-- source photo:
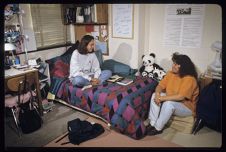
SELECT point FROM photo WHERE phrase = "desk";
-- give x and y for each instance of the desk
(12, 73)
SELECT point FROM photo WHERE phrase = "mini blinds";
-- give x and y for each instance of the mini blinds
(48, 26)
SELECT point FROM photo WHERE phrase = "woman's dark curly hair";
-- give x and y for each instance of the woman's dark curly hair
(187, 67)
(82, 48)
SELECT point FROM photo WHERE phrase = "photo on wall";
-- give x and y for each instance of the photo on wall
(100, 34)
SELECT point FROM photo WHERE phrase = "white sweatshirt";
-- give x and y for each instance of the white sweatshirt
(84, 65)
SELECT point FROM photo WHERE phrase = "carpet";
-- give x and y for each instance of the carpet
(111, 138)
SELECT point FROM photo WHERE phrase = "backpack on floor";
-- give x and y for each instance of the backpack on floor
(80, 131)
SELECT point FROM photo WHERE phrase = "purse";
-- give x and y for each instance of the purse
(29, 117)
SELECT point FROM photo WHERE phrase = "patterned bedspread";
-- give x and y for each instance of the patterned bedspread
(124, 107)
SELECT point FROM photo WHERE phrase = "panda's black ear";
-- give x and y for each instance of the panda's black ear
(142, 56)
(152, 54)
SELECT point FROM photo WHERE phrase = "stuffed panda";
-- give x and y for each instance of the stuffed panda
(150, 69)
(158, 73)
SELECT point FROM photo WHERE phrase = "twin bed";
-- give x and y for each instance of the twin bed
(123, 107)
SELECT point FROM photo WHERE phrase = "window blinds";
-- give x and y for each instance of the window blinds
(48, 26)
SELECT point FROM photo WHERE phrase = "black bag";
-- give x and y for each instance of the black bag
(29, 117)
(209, 105)
(80, 131)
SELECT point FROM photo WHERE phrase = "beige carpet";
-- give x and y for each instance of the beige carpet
(111, 138)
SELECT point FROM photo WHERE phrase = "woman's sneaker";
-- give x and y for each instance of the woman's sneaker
(86, 87)
(147, 122)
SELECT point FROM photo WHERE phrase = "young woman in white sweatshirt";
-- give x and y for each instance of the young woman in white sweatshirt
(84, 65)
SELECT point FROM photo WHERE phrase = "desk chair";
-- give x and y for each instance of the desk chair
(21, 94)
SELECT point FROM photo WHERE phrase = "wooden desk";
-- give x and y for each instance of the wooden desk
(12, 73)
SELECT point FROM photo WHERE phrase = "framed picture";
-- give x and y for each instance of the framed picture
(122, 21)
(100, 33)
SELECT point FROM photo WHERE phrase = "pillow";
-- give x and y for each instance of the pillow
(59, 66)
(118, 67)
(52, 61)
(71, 49)
(99, 57)
(60, 69)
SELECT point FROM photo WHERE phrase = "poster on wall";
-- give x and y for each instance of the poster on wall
(100, 34)
(183, 25)
(122, 21)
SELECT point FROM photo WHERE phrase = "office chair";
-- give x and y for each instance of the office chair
(20, 94)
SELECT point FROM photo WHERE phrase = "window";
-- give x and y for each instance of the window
(48, 25)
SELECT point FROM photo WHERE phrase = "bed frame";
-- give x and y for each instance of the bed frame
(51, 96)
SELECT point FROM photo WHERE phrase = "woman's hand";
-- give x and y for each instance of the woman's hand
(157, 99)
(95, 81)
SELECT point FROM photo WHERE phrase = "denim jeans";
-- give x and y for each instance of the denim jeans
(80, 81)
(160, 114)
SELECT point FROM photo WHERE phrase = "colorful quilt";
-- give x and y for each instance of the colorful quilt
(124, 107)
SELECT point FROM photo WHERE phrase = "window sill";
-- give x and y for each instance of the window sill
(47, 48)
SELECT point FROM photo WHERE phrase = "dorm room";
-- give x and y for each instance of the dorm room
(36, 40)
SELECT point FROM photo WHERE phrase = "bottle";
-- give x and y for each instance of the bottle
(7, 61)
(10, 61)
(17, 59)
(13, 62)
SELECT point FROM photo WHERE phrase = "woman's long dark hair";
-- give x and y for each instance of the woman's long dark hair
(82, 48)
(187, 67)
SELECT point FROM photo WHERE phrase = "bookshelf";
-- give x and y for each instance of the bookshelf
(12, 27)
(88, 19)
(98, 26)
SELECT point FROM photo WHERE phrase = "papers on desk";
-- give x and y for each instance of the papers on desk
(18, 66)
(12, 72)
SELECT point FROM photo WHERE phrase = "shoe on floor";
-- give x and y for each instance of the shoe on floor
(153, 132)
(46, 105)
(147, 122)
(149, 128)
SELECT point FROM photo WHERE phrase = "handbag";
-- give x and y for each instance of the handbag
(29, 117)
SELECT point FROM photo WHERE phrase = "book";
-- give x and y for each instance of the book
(115, 78)
(125, 81)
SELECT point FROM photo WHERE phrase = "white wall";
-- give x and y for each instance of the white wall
(46, 54)
(124, 50)
(148, 37)
(203, 56)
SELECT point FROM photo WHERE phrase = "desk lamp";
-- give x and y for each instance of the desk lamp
(9, 47)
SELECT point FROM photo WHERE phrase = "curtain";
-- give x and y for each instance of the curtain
(48, 26)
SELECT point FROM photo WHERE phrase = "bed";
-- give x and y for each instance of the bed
(123, 107)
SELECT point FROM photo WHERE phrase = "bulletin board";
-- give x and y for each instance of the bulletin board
(122, 21)
(99, 32)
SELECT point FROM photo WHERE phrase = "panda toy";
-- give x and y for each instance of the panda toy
(150, 69)
(158, 73)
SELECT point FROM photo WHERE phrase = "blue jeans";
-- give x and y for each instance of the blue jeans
(80, 81)
(160, 115)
